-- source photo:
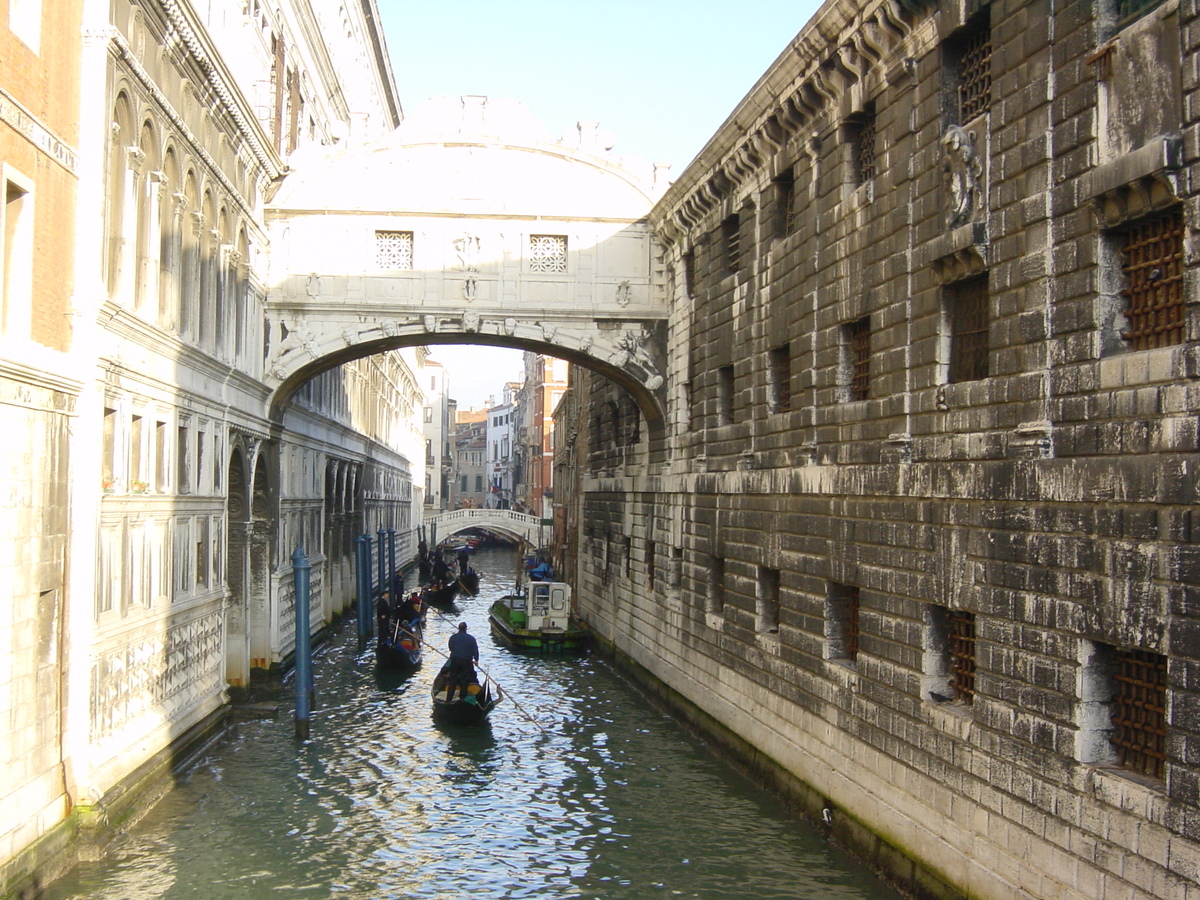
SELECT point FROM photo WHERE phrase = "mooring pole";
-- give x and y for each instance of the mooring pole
(362, 574)
(391, 533)
(301, 572)
(382, 566)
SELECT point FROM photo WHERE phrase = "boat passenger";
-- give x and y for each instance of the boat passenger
(464, 655)
(383, 613)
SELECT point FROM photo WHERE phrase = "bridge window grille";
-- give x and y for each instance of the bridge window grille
(962, 654)
(1152, 260)
(547, 253)
(394, 250)
(967, 314)
(1140, 711)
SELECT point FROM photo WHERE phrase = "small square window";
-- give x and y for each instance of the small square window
(394, 250)
(547, 253)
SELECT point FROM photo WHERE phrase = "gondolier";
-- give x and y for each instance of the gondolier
(464, 654)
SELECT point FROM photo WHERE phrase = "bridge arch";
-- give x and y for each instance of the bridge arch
(506, 521)
(469, 224)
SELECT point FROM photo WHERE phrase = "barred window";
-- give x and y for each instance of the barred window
(857, 342)
(780, 366)
(1131, 10)
(547, 253)
(716, 584)
(731, 243)
(1140, 711)
(767, 600)
(785, 204)
(968, 59)
(842, 621)
(394, 250)
(967, 321)
(962, 654)
(725, 395)
(862, 135)
(1152, 260)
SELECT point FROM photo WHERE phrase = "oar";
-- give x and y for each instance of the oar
(463, 586)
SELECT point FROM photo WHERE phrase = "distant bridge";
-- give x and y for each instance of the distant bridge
(504, 521)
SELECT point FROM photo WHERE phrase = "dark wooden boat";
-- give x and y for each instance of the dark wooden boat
(469, 709)
(442, 595)
(468, 581)
(538, 619)
(401, 649)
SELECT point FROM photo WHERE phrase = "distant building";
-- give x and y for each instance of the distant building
(500, 451)
(470, 442)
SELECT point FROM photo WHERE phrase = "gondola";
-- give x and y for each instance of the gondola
(438, 594)
(469, 581)
(401, 649)
(469, 709)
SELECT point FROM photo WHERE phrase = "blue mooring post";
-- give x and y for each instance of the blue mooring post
(392, 565)
(362, 574)
(301, 571)
(383, 585)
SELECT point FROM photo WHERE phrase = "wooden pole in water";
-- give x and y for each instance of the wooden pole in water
(301, 572)
(362, 572)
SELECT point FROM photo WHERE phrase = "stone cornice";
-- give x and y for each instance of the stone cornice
(125, 54)
(841, 46)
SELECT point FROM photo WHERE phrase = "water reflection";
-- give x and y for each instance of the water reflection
(576, 788)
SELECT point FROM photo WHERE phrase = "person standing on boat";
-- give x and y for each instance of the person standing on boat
(464, 654)
(383, 614)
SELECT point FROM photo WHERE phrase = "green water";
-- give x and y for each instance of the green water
(576, 788)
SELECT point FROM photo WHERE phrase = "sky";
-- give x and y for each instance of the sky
(660, 75)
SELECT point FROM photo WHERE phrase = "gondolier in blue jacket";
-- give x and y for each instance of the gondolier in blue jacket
(464, 654)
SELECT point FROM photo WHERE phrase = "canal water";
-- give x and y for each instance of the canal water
(576, 788)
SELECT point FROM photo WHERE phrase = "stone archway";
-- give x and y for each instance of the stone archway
(237, 554)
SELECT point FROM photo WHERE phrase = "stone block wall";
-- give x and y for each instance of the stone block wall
(923, 538)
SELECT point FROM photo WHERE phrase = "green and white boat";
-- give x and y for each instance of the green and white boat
(538, 619)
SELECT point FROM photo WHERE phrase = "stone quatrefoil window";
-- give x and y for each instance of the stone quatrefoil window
(547, 253)
(394, 250)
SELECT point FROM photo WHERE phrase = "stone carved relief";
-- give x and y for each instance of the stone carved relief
(313, 288)
(549, 329)
(624, 293)
(429, 323)
(350, 335)
(470, 288)
(964, 172)
(389, 327)
(633, 348)
(470, 321)
(510, 326)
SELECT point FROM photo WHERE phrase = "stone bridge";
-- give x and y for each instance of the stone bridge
(505, 521)
(469, 224)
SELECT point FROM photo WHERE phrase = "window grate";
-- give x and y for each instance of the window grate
(1129, 10)
(394, 250)
(547, 253)
(1140, 712)
(975, 75)
(962, 654)
(968, 313)
(731, 235)
(864, 148)
(852, 629)
(781, 378)
(1153, 266)
(858, 344)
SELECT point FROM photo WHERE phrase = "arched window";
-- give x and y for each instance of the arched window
(170, 251)
(121, 135)
(146, 189)
(189, 271)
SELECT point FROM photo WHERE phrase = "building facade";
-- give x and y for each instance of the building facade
(141, 140)
(501, 434)
(917, 538)
(470, 441)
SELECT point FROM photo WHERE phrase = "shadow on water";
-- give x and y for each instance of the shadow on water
(590, 792)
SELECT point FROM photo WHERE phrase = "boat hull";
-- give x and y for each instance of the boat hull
(460, 710)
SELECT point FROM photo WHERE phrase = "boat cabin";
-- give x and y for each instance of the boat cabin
(544, 605)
